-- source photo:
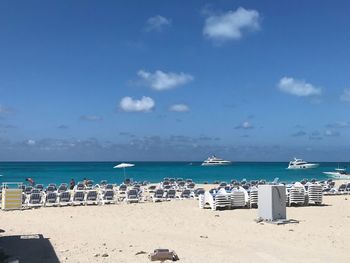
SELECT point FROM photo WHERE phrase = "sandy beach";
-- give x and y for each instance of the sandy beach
(116, 233)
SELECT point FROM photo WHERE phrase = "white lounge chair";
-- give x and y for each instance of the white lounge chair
(91, 197)
(35, 200)
(78, 198)
(158, 195)
(108, 197)
(51, 199)
(297, 194)
(170, 194)
(64, 198)
(132, 196)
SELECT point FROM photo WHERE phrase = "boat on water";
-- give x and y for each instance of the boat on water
(338, 173)
(215, 161)
(301, 164)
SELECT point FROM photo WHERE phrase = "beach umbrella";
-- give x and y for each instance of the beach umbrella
(123, 166)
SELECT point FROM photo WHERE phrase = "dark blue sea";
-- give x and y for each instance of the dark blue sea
(59, 172)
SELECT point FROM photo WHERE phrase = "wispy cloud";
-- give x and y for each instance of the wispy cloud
(245, 125)
(4, 110)
(299, 134)
(315, 135)
(62, 127)
(346, 95)
(179, 108)
(145, 104)
(157, 23)
(7, 126)
(160, 80)
(297, 87)
(91, 118)
(339, 124)
(231, 25)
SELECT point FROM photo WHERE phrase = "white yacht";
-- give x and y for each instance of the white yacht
(215, 161)
(301, 164)
(339, 173)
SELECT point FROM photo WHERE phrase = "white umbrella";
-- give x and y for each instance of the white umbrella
(124, 165)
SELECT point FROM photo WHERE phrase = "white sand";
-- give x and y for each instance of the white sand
(79, 233)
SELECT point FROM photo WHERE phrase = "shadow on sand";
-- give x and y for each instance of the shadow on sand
(27, 249)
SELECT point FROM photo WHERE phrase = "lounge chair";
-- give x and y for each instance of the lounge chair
(91, 197)
(199, 191)
(64, 198)
(253, 197)
(315, 193)
(62, 188)
(122, 189)
(170, 194)
(89, 184)
(35, 200)
(51, 199)
(36, 191)
(28, 190)
(191, 185)
(132, 196)
(342, 188)
(80, 187)
(185, 194)
(158, 195)
(152, 188)
(297, 194)
(40, 187)
(108, 197)
(103, 183)
(180, 185)
(78, 198)
(347, 189)
(50, 189)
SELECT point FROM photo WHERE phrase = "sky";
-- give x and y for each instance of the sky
(174, 80)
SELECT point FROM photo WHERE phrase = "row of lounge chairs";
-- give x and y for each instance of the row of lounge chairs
(228, 196)
(104, 193)
(90, 197)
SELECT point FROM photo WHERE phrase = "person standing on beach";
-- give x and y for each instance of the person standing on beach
(72, 184)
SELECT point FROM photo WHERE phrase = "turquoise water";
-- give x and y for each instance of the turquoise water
(59, 172)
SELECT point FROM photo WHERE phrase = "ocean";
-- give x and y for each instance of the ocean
(62, 172)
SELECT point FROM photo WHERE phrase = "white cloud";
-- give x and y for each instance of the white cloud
(346, 95)
(91, 118)
(231, 25)
(129, 104)
(245, 125)
(157, 23)
(160, 80)
(331, 133)
(30, 142)
(179, 108)
(297, 87)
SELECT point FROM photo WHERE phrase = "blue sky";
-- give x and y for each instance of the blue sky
(168, 80)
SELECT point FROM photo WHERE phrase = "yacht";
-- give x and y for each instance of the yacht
(339, 173)
(215, 161)
(301, 164)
